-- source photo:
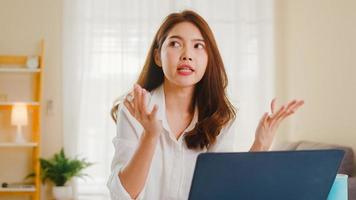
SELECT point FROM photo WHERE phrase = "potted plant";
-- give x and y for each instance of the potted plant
(59, 170)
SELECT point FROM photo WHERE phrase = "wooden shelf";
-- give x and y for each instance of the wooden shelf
(13, 190)
(12, 144)
(18, 70)
(11, 103)
(13, 67)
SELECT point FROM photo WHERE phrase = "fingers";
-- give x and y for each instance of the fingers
(285, 110)
(277, 113)
(292, 107)
(136, 100)
(153, 112)
(140, 100)
(264, 118)
(129, 107)
(290, 104)
(128, 102)
(144, 102)
(138, 105)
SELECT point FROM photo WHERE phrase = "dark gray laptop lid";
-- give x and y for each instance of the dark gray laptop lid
(292, 175)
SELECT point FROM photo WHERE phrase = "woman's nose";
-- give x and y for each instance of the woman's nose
(186, 55)
(187, 58)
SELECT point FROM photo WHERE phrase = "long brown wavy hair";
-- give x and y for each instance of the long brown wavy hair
(214, 108)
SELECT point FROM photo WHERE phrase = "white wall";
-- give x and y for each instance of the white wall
(22, 25)
(316, 61)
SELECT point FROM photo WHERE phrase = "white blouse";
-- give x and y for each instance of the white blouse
(172, 166)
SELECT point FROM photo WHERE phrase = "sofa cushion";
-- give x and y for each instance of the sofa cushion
(352, 188)
(285, 146)
(347, 163)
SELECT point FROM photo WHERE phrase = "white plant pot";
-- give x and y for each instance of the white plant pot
(62, 192)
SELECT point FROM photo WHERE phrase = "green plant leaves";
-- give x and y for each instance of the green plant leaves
(60, 169)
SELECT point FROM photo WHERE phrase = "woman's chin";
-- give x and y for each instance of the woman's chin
(183, 84)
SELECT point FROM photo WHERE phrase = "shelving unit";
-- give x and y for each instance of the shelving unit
(16, 70)
(13, 65)
(11, 144)
(22, 190)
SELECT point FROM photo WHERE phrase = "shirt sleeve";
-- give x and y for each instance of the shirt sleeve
(225, 141)
(125, 143)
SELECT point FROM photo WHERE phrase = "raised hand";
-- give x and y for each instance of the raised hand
(269, 124)
(136, 103)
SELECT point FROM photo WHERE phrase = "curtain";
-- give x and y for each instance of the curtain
(105, 43)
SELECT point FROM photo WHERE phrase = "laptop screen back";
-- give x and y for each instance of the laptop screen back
(292, 175)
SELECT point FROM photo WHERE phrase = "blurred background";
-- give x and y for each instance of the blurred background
(94, 50)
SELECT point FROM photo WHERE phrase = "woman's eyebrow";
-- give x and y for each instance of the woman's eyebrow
(199, 40)
(180, 38)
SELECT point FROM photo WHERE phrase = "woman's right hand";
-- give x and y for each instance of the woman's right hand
(137, 106)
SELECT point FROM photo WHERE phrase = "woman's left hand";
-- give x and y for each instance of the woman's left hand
(268, 124)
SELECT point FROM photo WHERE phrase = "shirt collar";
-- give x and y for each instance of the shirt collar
(158, 98)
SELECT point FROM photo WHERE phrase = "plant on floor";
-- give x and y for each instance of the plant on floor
(60, 169)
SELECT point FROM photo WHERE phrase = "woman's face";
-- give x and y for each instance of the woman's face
(183, 56)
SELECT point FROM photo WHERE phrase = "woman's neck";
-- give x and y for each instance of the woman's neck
(179, 99)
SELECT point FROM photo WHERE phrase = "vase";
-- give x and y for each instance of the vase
(62, 192)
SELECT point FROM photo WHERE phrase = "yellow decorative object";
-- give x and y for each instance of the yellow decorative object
(19, 118)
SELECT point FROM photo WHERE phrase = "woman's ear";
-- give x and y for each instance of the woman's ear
(157, 57)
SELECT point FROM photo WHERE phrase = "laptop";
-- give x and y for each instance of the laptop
(274, 175)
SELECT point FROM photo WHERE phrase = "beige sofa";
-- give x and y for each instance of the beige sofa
(347, 165)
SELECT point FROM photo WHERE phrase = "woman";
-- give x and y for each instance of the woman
(177, 109)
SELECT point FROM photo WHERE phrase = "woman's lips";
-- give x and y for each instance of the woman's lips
(185, 70)
(185, 73)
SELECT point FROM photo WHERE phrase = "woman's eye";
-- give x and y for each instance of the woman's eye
(174, 44)
(199, 46)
